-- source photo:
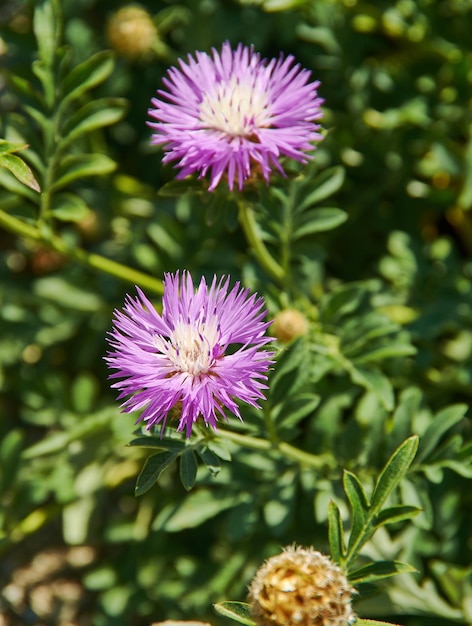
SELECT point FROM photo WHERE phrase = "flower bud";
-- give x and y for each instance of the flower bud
(300, 587)
(289, 324)
(131, 32)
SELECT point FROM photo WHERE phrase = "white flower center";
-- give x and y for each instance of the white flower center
(234, 108)
(192, 347)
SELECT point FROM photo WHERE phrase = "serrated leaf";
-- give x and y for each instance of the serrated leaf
(86, 75)
(237, 611)
(95, 114)
(68, 207)
(188, 469)
(395, 514)
(20, 170)
(395, 469)
(335, 532)
(358, 501)
(319, 220)
(152, 470)
(443, 421)
(327, 183)
(75, 167)
(378, 570)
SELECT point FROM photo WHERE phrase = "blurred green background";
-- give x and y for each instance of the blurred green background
(76, 546)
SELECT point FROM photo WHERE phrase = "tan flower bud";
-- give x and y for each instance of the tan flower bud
(300, 587)
(132, 33)
(289, 324)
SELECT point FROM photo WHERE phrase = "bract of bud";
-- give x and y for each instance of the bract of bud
(301, 587)
(288, 324)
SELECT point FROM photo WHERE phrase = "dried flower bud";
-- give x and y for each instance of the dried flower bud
(300, 587)
(132, 33)
(289, 324)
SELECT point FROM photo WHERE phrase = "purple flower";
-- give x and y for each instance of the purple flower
(234, 113)
(195, 358)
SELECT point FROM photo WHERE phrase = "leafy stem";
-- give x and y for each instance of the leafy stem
(95, 261)
(251, 230)
(321, 461)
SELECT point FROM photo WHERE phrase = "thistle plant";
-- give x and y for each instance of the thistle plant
(267, 398)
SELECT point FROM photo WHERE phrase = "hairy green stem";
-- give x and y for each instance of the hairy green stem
(249, 225)
(96, 261)
(301, 457)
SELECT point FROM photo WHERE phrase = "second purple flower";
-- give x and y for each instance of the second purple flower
(195, 359)
(234, 115)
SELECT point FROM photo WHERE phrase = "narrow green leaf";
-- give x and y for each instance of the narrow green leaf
(335, 532)
(86, 75)
(20, 170)
(358, 501)
(157, 442)
(152, 469)
(8, 147)
(319, 220)
(327, 183)
(443, 421)
(46, 30)
(395, 469)
(395, 514)
(237, 611)
(378, 570)
(343, 301)
(181, 187)
(69, 207)
(220, 450)
(374, 380)
(95, 114)
(75, 167)
(210, 459)
(188, 469)
(391, 350)
(198, 507)
(372, 622)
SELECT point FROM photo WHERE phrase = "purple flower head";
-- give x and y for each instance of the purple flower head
(234, 113)
(196, 358)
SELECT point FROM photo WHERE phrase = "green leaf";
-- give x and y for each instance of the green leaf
(7, 147)
(327, 183)
(296, 409)
(395, 514)
(220, 450)
(46, 29)
(198, 507)
(335, 532)
(20, 170)
(378, 570)
(75, 167)
(373, 380)
(85, 76)
(343, 301)
(69, 207)
(389, 351)
(319, 220)
(443, 421)
(210, 460)
(237, 611)
(95, 114)
(181, 187)
(188, 469)
(395, 469)
(10, 456)
(372, 622)
(358, 501)
(157, 442)
(152, 470)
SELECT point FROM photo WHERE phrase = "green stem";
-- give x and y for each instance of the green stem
(301, 457)
(249, 225)
(96, 261)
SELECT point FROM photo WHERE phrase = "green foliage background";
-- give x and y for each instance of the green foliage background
(388, 294)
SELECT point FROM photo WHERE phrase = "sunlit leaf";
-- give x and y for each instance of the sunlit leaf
(237, 611)
(86, 75)
(379, 570)
(20, 170)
